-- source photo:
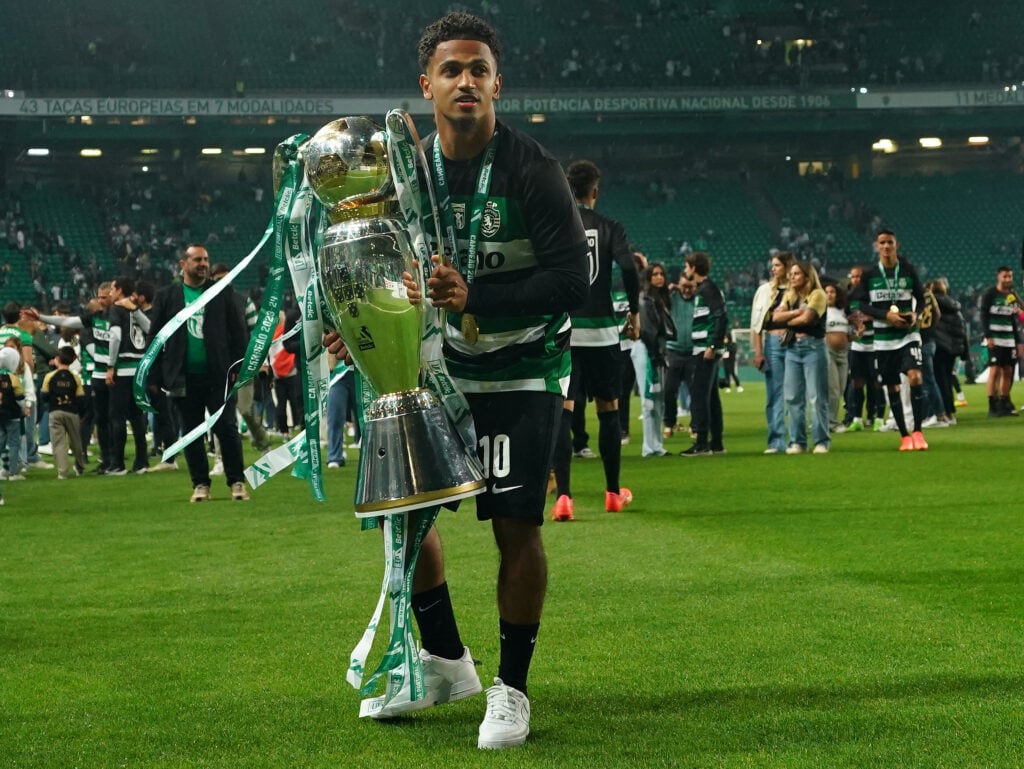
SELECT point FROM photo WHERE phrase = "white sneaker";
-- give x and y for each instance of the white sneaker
(585, 453)
(218, 468)
(931, 421)
(172, 465)
(795, 448)
(41, 464)
(507, 721)
(739, 388)
(445, 681)
(820, 448)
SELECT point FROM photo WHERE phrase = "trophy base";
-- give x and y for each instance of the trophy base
(411, 457)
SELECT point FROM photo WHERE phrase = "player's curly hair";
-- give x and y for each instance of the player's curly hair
(457, 26)
(583, 176)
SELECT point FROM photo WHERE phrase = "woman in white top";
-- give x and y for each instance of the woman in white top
(837, 340)
(769, 355)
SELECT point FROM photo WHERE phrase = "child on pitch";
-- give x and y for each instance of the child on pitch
(63, 391)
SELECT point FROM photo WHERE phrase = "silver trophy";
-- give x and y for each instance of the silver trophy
(411, 456)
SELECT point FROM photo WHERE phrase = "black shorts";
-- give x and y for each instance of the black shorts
(595, 373)
(862, 365)
(1002, 356)
(515, 433)
(889, 364)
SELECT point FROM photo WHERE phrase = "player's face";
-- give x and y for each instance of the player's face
(462, 80)
(1004, 280)
(855, 276)
(106, 297)
(886, 245)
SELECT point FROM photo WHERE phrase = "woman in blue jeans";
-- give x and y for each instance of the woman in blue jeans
(806, 382)
(769, 355)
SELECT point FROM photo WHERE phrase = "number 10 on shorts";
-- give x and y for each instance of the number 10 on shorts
(495, 455)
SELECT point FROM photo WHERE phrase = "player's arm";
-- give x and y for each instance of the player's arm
(985, 307)
(114, 344)
(63, 321)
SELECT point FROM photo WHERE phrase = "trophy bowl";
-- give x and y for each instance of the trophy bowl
(411, 455)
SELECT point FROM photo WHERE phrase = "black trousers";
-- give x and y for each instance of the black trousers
(165, 420)
(123, 411)
(201, 394)
(701, 376)
(101, 418)
(289, 390)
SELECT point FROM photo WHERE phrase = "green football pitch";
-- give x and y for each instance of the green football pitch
(856, 609)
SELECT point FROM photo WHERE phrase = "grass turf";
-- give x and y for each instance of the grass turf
(858, 609)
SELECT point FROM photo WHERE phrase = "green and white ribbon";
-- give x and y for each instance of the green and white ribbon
(304, 232)
(290, 230)
(400, 662)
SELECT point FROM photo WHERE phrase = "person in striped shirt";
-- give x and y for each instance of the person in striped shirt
(999, 318)
(710, 326)
(891, 294)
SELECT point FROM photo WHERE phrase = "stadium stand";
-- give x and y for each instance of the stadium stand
(119, 46)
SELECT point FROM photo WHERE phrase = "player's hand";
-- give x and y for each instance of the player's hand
(447, 288)
(126, 303)
(334, 344)
(412, 286)
(899, 320)
(30, 312)
(632, 326)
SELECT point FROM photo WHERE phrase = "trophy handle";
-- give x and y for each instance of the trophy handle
(407, 125)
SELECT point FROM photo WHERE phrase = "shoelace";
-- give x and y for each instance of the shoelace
(500, 704)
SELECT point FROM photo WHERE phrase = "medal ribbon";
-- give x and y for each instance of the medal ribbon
(476, 210)
(893, 285)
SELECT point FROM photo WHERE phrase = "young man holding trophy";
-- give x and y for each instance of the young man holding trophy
(518, 266)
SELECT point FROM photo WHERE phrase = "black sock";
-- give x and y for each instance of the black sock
(896, 409)
(517, 642)
(563, 454)
(609, 442)
(857, 403)
(917, 405)
(436, 619)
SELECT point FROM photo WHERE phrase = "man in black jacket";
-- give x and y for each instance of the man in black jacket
(195, 364)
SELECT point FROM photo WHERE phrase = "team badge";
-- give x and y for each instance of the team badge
(492, 220)
(459, 210)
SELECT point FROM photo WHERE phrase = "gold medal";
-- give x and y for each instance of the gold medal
(470, 331)
(894, 308)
